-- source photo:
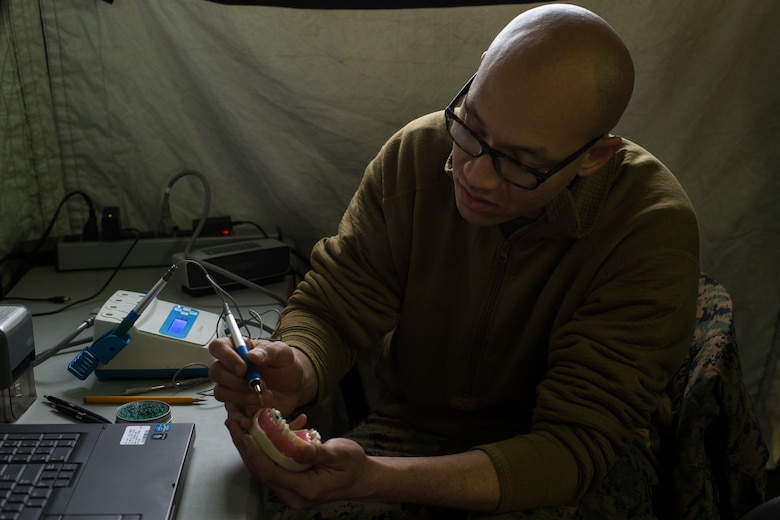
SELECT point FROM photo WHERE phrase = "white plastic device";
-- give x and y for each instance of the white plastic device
(165, 338)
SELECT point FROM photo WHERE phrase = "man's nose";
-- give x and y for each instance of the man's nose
(481, 173)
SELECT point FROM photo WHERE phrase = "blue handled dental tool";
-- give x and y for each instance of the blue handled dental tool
(103, 349)
(253, 378)
(133, 315)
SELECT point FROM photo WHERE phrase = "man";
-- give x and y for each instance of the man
(534, 279)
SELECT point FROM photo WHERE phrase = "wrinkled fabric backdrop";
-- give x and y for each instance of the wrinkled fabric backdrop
(281, 109)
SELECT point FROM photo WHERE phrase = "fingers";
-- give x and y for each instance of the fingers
(336, 466)
(261, 353)
(256, 461)
(227, 360)
(285, 383)
(298, 423)
(228, 370)
(242, 416)
(246, 446)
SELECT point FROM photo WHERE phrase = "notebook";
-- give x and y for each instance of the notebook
(127, 471)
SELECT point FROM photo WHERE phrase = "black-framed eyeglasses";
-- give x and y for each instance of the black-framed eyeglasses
(509, 169)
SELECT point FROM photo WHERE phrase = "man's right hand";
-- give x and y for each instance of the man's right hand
(288, 376)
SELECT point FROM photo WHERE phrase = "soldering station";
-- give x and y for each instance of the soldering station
(169, 336)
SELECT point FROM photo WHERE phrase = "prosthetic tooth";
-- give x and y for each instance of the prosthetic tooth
(285, 430)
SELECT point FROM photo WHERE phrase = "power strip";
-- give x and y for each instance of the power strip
(148, 252)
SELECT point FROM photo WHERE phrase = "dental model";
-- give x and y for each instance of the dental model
(278, 441)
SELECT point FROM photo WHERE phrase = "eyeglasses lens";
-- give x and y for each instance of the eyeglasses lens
(510, 170)
(464, 138)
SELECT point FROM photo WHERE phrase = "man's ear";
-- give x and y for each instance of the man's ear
(599, 154)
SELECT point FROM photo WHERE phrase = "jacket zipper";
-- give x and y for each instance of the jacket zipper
(479, 345)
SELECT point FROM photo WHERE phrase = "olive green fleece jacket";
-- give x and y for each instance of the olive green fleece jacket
(545, 347)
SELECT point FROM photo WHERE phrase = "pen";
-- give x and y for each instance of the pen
(122, 399)
(75, 411)
(79, 416)
(252, 376)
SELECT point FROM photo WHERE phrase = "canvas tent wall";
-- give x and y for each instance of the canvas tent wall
(282, 108)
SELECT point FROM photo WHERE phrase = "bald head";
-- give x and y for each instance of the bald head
(572, 58)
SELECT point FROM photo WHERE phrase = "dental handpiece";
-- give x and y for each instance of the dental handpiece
(253, 379)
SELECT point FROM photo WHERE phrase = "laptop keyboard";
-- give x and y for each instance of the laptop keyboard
(31, 466)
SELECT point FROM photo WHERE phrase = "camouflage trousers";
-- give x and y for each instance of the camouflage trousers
(625, 492)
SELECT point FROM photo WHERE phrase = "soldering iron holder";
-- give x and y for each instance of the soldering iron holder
(102, 350)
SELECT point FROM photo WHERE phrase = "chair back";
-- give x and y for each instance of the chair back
(714, 461)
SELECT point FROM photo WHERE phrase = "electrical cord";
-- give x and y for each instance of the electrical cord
(50, 299)
(254, 224)
(105, 284)
(225, 296)
(257, 320)
(166, 225)
(68, 340)
(242, 281)
(89, 232)
(166, 221)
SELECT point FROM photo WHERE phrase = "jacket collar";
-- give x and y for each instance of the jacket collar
(577, 208)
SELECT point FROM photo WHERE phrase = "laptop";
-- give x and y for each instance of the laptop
(92, 471)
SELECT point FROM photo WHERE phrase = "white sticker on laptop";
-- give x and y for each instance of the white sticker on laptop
(135, 435)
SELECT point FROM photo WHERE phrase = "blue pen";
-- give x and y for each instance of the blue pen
(253, 378)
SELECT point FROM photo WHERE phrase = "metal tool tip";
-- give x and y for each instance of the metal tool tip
(258, 390)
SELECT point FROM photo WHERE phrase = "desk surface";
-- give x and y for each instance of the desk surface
(217, 485)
